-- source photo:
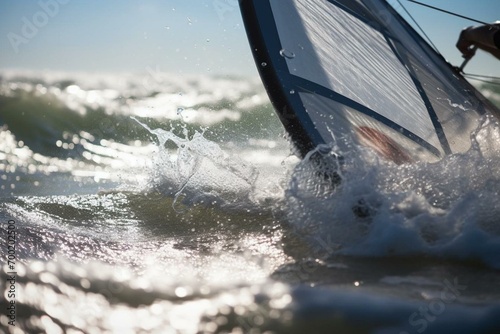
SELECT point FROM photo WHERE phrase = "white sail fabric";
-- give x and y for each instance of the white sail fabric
(344, 67)
(355, 61)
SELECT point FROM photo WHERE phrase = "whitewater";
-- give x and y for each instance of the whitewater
(176, 204)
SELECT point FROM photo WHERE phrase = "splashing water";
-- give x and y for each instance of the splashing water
(445, 210)
(193, 169)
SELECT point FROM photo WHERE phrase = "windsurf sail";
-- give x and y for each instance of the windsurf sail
(356, 69)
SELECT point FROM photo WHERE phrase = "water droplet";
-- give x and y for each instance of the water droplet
(167, 27)
(292, 91)
(208, 40)
(189, 21)
(181, 292)
(180, 110)
(263, 64)
(287, 54)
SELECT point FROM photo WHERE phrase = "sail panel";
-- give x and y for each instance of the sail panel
(343, 128)
(355, 61)
(355, 69)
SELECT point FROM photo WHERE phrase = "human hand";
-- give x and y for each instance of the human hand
(465, 44)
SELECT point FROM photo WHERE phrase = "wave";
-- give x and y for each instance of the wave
(445, 210)
(40, 108)
(81, 124)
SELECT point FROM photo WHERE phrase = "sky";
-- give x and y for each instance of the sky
(180, 36)
(185, 36)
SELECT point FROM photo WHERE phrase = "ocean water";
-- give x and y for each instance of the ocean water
(155, 203)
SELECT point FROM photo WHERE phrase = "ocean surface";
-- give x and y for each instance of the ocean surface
(157, 203)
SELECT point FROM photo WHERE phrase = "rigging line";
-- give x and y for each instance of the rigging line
(481, 76)
(419, 27)
(485, 81)
(448, 12)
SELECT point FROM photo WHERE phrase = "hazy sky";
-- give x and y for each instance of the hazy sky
(124, 35)
(182, 36)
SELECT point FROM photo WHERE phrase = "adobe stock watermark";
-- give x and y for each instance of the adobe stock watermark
(31, 26)
(426, 315)
(222, 7)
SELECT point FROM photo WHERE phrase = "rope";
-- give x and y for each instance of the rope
(482, 76)
(419, 27)
(448, 12)
(480, 79)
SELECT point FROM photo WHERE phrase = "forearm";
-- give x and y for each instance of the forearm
(485, 37)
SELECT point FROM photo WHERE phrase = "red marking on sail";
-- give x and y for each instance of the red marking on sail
(383, 145)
